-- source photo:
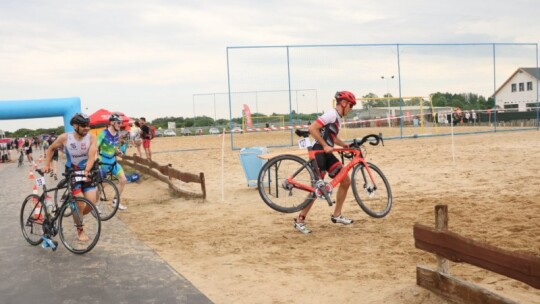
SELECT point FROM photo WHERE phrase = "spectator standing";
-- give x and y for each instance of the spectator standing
(146, 137)
(45, 146)
(136, 136)
(473, 117)
(9, 147)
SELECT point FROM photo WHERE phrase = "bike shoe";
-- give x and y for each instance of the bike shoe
(341, 219)
(301, 227)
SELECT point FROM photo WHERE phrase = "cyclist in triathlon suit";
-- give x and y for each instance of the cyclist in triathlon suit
(81, 149)
(28, 150)
(325, 132)
(108, 142)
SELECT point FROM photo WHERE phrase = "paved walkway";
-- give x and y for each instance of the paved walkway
(120, 269)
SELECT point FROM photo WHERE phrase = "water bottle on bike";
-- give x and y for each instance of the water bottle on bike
(49, 205)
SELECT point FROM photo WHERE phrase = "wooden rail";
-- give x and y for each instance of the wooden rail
(166, 174)
(456, 248)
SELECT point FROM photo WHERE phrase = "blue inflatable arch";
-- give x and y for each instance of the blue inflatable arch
(41, 108)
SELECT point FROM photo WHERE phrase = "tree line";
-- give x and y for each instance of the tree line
(465, 101)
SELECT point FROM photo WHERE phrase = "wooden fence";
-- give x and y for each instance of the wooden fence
(166, 174)
(451, 246)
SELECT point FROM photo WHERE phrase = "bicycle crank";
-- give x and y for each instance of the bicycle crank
(324, 190)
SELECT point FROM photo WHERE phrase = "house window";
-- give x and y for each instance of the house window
(513, 87)
(511, 106)
(529, 86)
(521, 87)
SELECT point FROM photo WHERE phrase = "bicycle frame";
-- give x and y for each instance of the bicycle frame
(53, 218)
(357, 158)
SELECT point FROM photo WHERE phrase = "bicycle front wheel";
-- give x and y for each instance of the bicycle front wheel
(32, 217)
(80, 232)
(374, 196)
(276, 189)
(108, 199)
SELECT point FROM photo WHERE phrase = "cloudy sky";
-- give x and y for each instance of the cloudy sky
(152, 58)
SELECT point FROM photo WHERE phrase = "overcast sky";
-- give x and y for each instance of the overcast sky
(149, 58)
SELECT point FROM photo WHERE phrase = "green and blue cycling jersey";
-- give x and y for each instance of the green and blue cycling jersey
(107, 144)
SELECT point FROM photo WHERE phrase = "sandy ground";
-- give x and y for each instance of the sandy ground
(235, 249)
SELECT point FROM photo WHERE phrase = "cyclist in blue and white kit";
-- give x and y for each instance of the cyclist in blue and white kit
(81, 149)
(108, 143)
(325, 132)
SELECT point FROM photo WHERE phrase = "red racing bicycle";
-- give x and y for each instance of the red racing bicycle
(288, 183)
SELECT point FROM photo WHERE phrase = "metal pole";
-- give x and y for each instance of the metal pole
(316, 102)
(494, 90)
(537, 105)
(399, 92)
(257, 102)
(215, 116)
(230, 101)
(296, 93)
(289, 86)
(193, 107)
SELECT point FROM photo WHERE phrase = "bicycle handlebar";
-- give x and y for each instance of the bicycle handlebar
(378, 139)
(356, 144)
(71, 173)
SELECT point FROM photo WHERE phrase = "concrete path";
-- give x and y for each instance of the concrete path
(120, 269)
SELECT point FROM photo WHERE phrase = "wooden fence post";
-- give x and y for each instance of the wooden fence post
(441, 223)
(203, 184)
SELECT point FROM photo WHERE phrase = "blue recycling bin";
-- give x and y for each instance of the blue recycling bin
(252, 164)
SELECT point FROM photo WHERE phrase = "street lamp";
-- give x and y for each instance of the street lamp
(388, 94)
(388, 89)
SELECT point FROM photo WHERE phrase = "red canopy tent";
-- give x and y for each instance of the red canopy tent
(101, 119)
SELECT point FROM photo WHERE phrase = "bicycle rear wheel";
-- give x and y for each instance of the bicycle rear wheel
(85, 221)
(108, 199)
(373, 196)
(32, 217)
(275, 189)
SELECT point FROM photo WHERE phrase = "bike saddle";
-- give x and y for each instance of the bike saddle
(302, 133)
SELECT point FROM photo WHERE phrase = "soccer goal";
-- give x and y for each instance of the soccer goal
(264, 123)
(405, 116)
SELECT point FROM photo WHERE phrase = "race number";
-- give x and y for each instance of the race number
(304, 143)
(40, 181)
(79, 176)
